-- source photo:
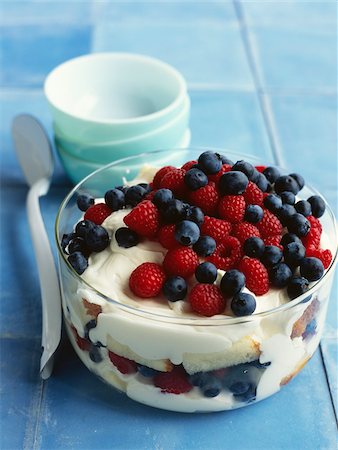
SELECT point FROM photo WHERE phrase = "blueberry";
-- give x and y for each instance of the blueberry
(299, 179)
(83, 227)
(126, 238)
(294, 253)
(210, 162)
(255, 176)
(89, 325)
(66, 238)
(248, 396)
(280, 275)
(297, 286)
(254, 247)
(311, 268)
(317, 205)
(240, 387)
(288, 238)
(288, 198)
(122, 188)
(187, 232)
(97, 239)
(162, 197)
(205, 246)
(115, 199)
(134, 195)
(195, 214)
(303, 207)
(206, 273)
(226, 160)
(245, 167)
(298, 224)
(84, 201)
(195, 179)
(286, 183)
(95, 354)
(263, 183)
(272, 202)
(272, 255)
(78, 261)
(175, 288)
(78, 245)
(253, 214)
(147, 372)
(174, 211)
(233, 183)
(271, 174)
(233, 281)
(199, 379)
(212, 387)
(243, 304)
(146, 187)
(285, 213)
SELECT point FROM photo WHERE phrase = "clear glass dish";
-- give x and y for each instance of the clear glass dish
(249, 358)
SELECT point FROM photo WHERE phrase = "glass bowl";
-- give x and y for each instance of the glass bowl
(223, 362)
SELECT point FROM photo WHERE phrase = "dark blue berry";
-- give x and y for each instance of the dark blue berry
(233, 281)
(253, 213)
(272, 202)
(66, 238)
(245, 167)
(212, 387)
(205, 246)
(122, 188)
(226, 160)
(280, 275)
(210, 162)
(263, 183)
(255, 176)
(288, 198)
(134, 195)
(297, 286)
(187, 232)
(243, 304)
(146, 187)
(299, 179)
(195, 179)
(78, 261)
(303, 207)
(249, 396)
(84, 201)
(126, 238)
(195, 214)
(89, 326)
(240, 387)
(95, 354)
(294, 253)
(288, 238)
(78, 245)
(317, 205)
(97, 239)
(175, 288)
(83, 227)
(174, 211)
(271, 174)
(199, 379)
(206, 273)
(162, 197)
(298, 224)
(233, 183)
(115, 199)
(286, 183)
(285, 213)
(254, 247)
(147, 372)
(311, 268)
(272, 255)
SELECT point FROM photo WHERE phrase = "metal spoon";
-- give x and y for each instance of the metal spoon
(35, 156)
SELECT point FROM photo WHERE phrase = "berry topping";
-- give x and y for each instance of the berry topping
(272, 202)
(207, 300)
(126, 238)
(256, 275)
(174, 382)
(262, 183)
(298, 225)
(269, 225)
(195, 179)
(280, 275)
(297, 286)
(271, 174)
(160, 174)
(226, 160)
(115, 199)
(134, 195)
(245, 230)
(188, 165)
(216, 228)
(233, 183)
(97, 238)
(206, 273)
(232, 208)
(215, 178)
(303, 207)
(78, 261)
(147, 372)
(187, 232)
(205, 246)
(288, 198)
(97, 213)
(78, 244)
(245, 167)
(212, 387)
(254, 247)
(227, 254)
(123, 365)
(317, 205)
(324, 255)
(288, 238)
(143, 219)
(195, 214)
(253, 195)
(286, 183)
(174, 211)
(299, 180)
(253, 214)
(66, 238)
(273, 240)
(243, 304)
(181, 261)
(162, 197)
(260, 169)
(205, 198)
(83, 227)
(311, 268)
(272, 255)
(294, 252)
(175, 288)
(174, 180)
(147, 280)
(166, 237)
(84, 201)
(210, 162)
(285, 213)
(232, 283)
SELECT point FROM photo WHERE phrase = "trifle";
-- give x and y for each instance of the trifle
(194, 280)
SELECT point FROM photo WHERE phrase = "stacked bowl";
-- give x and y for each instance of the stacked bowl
(108, 106)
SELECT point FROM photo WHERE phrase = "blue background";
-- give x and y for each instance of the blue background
(262, 79)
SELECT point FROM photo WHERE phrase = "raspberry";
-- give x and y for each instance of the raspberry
(144, 218)
(188, 165)
(312, 239)
(227, 254)
(124, 365)
(207, 299)
(181, 261)
(174, 180)
(260, 168)
(244, 230)
(97, 213)
(269, 225)
(82, 343)
(273, 240)
(150, 195)
(147, 280)
(160, 174)
(256, 275)
(216, 228)
(174, 382)
(253, 195)
(232, 208)
(324, 255)
(215, 177)
(205, 198)
(166, 237)
(315, 223)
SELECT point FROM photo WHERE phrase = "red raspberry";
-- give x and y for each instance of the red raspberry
(207, 299)
(269, 225)
(188, 165)
(324, 255)
(227, 254)
(147, 280)
(82, 343)
(160, 174)
(174, 382)
(232, 208)
(98, 213)
(216, 176)
(174, 180)
(150, 196)
(124, 365)
(166, 237)
(181, 261)
(312, 239)
(273, 240)
(144, 218)
(205, 198)
(315, 223)
(253, 195)
(260, 168)
(244, 230)
(256, 275)
(216, 228)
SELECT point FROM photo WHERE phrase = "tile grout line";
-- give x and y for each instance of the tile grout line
(328, 383)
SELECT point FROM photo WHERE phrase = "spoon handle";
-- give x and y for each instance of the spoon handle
(50, 290)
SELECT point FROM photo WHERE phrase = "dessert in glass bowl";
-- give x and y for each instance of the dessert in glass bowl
(195, 280)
